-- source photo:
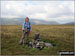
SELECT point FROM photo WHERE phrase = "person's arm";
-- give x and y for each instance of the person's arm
(23, 27)
(30, 28)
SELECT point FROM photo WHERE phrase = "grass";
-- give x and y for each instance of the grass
(60, 35)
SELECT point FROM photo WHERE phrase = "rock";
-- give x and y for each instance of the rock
(38, 43)
(49, 44)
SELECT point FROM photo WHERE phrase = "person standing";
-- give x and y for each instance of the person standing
(27, 29)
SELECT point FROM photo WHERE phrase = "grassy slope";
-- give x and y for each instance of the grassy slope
(62, 36)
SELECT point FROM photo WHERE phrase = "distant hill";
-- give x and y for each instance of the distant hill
(10, 21)
(38, 22)
(70, 23)
(18, 21)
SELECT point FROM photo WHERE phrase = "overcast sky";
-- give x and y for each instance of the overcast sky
(60, 11)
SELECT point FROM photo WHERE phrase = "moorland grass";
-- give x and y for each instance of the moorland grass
(60, 35)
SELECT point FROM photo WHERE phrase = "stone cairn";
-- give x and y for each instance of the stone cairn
(38, 43)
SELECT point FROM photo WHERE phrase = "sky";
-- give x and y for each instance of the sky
(60, 11)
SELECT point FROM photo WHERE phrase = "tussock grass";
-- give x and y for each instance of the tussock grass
(60, 35)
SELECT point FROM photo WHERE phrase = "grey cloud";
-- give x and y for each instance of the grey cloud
(49, 8)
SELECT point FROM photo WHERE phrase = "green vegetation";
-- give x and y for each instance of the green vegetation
(60, 35)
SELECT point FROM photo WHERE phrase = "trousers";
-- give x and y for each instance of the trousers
(24, 36)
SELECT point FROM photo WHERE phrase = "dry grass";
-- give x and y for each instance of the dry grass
(61, 35)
